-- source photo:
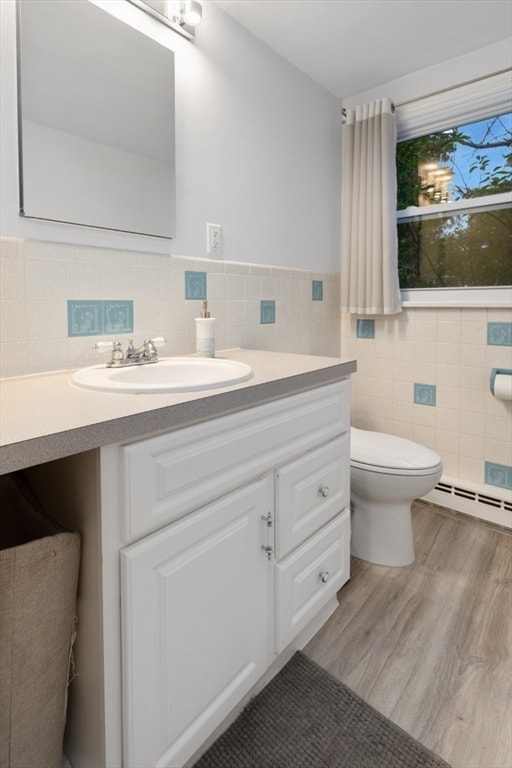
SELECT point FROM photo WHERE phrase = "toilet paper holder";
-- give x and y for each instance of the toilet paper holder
(498, 372)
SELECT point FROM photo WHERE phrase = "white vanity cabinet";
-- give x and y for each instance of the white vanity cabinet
(210, 553)
(237, 536)
(214, 537)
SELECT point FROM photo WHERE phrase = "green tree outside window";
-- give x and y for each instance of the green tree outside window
(466, 248)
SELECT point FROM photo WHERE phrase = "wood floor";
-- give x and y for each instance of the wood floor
(430, 645)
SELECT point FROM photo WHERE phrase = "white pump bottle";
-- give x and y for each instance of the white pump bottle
(205, 333)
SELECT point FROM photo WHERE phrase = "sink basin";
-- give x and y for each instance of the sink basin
(170, 374)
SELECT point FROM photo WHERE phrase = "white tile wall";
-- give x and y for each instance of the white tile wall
(37, 279)
(447, 348)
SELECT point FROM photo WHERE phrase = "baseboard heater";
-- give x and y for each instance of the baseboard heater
(471, 502)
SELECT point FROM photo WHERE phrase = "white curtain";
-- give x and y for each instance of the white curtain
(369, 269)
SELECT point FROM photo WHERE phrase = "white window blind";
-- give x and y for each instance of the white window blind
(457, 106)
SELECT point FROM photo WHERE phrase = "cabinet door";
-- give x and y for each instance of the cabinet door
(308, 578)
(196, 613)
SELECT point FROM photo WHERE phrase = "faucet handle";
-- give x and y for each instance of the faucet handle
(117, 353)
(103, 346)
(158, 341)
(113, 346)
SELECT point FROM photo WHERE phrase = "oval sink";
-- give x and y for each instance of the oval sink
(170, 374)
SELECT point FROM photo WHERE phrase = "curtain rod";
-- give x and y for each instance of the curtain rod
(443, 90)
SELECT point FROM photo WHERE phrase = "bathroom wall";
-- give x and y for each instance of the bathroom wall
(257, 150)
(39, 281)
(424, 374)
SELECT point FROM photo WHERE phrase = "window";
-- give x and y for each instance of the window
(455, 216)
(454, 173)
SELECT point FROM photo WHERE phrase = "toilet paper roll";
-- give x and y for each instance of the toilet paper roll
(501, 384)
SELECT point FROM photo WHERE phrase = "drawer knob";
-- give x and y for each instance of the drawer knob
(324, 576)
(324, 491)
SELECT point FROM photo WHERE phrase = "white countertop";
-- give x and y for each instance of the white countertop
(45, 417)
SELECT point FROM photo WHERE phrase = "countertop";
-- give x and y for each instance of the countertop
(45, 416)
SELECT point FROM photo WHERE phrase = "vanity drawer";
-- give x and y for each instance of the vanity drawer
(310, 491)
(310, 577)
(168, 476)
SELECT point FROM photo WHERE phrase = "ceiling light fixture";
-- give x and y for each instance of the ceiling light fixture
(182, 17)
(192, 12)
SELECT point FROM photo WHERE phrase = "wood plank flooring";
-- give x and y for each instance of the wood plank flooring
(430, 645)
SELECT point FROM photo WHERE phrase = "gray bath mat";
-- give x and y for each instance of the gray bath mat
(305, 718)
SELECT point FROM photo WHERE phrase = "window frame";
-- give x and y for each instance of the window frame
(457, 106)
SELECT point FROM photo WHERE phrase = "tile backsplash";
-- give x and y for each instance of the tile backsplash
(94, 318)
(424, 394)
(267, 311)
(317, 290)
(195, 285)
(44, 284)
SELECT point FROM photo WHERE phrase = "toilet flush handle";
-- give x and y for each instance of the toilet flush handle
(324, 491)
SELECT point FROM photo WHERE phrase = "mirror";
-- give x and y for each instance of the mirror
(96, 120)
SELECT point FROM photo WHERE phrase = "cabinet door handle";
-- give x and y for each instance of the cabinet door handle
(324, 576)
(324, 491)
(268, 519)
(268, 550)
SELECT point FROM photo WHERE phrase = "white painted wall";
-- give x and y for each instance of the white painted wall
(257, 151)
(453, 72)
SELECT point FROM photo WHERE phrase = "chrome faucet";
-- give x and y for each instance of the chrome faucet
(146, 353)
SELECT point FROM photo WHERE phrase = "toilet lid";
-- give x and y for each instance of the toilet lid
(382, 450)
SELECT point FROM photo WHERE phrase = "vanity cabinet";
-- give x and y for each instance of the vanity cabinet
(242, 536)
(211, 553)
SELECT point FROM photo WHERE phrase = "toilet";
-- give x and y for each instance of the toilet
(386, 474)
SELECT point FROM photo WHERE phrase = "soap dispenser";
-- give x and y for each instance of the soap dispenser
(205, 333)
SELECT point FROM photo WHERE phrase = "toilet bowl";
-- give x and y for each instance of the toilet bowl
(386, 474)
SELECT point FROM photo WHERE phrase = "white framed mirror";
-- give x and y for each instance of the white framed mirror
(95, 120)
